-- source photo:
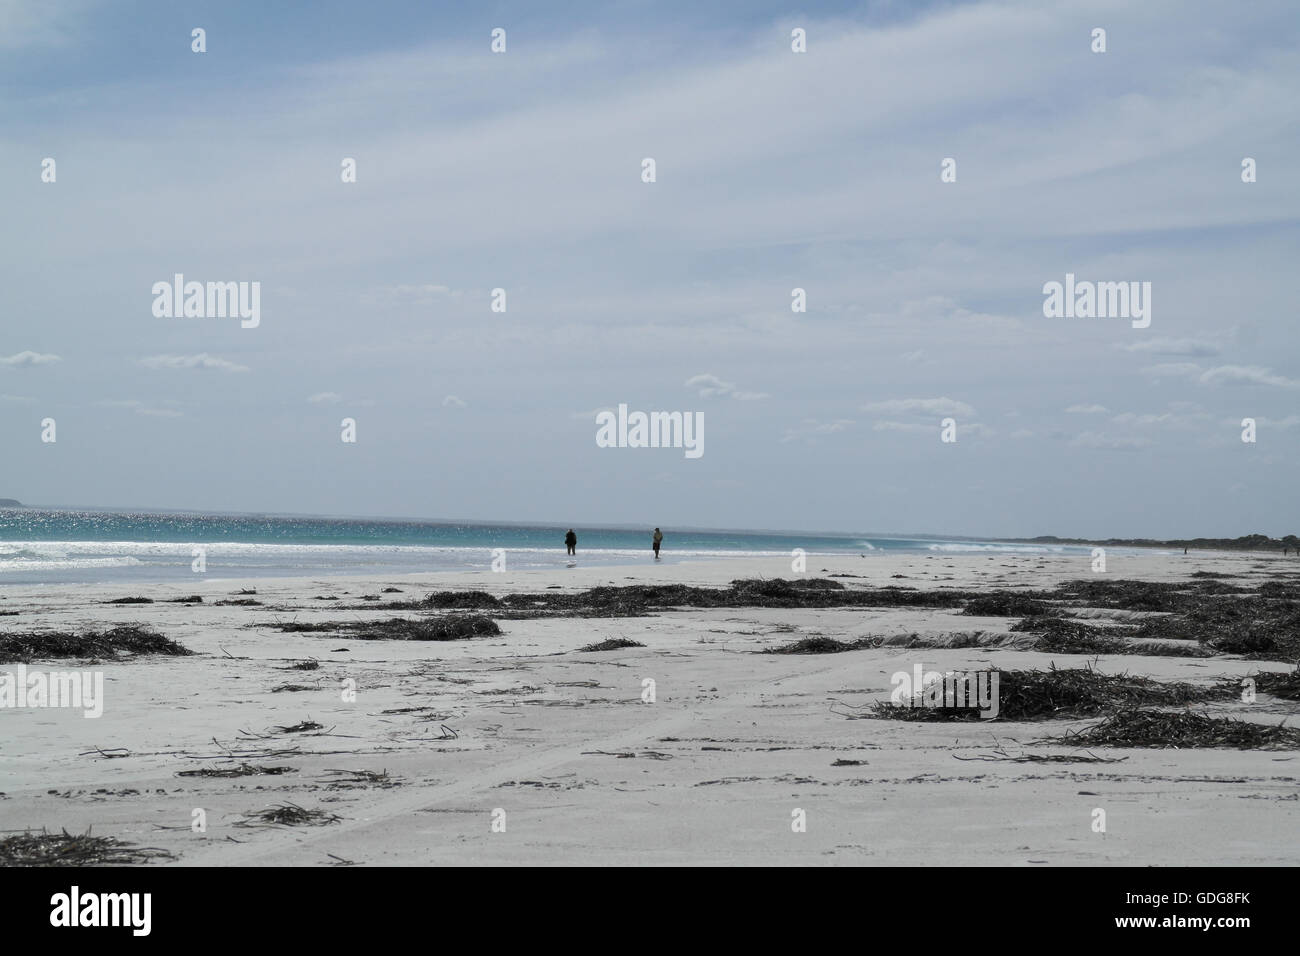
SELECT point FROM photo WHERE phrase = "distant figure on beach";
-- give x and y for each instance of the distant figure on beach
(571, 542)
(657, 540)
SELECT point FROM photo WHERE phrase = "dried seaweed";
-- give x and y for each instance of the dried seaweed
(1165, 729)
(129, 639)
(70, 849)
(612, 644)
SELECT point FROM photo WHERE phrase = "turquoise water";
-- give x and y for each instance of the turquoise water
(39, 546)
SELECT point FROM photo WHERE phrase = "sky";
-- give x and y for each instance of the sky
(775, 170)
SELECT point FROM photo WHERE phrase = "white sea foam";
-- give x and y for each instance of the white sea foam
(1012, 548)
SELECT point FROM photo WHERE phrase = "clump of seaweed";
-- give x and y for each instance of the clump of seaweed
(289, 815)
(1278, 683)
(818, 644)
(192, 599)
(1082, 641)
(376, 778)
(74, 849)
(1165, 730)
(612, 644)
(460, 599)
(1253, 642)
(1283, 590)
(128, 639)
(1066, 636)
(1002, 755)
(1128, 595)
(780, 587)
(639, 599)
(446, 627)
(239, 602)
(243, 770)
(1057, 693)
(1007, 604)
(300, 728)
(130, 600)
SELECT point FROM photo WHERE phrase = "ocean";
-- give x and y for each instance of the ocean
(48, 547)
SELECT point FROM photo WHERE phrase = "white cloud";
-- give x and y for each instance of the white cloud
(963, 430)
(1223, 374)
(144, 408)
(920, 406)
(1099, 440)
(203, 360)
(1134, 419)
(1246, 375)
(1087, 410)
(325, 398)
(27, 359)
(451, 401)
(410, 294)
(1191, 348)
(711, 386)
(1291, 421)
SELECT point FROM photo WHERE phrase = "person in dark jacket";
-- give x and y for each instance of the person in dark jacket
(657, 540)
(571, 542)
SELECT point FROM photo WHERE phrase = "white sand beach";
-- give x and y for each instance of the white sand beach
(586, 771)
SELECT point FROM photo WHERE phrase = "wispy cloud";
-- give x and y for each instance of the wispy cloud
(167, 410)
(920, 406)
(27, 359)
(201, 361)
(710, 386)
(1101, 440)
(1190, 348)
(1222, 374)
(1246, 375)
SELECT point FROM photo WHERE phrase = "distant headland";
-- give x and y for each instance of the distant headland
(11, 503)
(1249, 542)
